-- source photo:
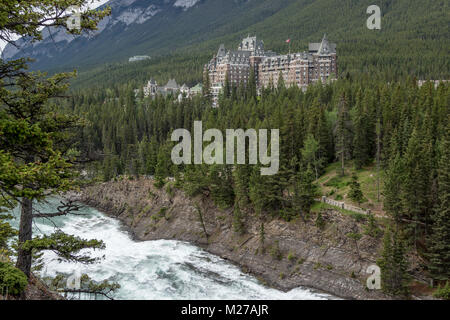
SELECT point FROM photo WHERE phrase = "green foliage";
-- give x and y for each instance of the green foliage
(37, 149)
(320, 222)
(439, 241)
(6, 233)
(324, 122)
(442, 292)
(372, 229)
(310, 154)
(262, 237)
(169, 190)
(355, 190)
(275, 251)
(291, 257)
(12, 280)
(304, 193)
(238, 220)
(389, 53)
(354, 236)
(359, 217)
(67, 247)
(393, 265)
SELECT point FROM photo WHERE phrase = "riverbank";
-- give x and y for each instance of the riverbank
(294, 253)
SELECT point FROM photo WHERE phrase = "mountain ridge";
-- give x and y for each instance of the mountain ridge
(196, 27)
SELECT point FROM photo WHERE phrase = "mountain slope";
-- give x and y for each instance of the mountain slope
(145, 27)
(411, 41)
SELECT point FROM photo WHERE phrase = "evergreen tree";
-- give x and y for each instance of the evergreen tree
(35, 154)
(164, 165)
(361, 141)
(343, 133)
(304, 192)
(310, 155)
(393, 188)
(393, 264)
(440, 238)
(355, 192)
(238, 220)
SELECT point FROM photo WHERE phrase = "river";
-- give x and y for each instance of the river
(162, 269)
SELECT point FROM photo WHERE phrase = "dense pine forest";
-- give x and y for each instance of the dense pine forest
(398, 126)
(375, 115)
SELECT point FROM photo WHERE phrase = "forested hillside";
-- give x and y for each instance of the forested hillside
(375, 114)
(401, 127)
(413, 39)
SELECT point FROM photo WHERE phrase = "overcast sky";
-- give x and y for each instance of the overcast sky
(92, 4)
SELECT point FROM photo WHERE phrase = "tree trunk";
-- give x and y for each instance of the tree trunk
(25, 233)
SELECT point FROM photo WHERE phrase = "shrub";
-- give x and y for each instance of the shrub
(238, 221)
(275, 251)
(291, 256)
(12, 279)
(372, 228)
(320, 222)
(169, 190)
(442, 292)
(359, 217)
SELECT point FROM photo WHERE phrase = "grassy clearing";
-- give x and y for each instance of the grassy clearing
(335, 186)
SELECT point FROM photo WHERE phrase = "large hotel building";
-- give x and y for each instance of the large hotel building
(300, 69)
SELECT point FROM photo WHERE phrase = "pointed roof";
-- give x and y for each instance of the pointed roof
(198, 86)
(172, 84)
(324, 45)
(222, 51)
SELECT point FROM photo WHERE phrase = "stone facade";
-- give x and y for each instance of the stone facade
(151, 89)
(300, 69)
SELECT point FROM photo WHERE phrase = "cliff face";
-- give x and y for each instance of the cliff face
(295, 253)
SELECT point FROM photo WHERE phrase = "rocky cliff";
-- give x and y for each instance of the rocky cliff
(293, 253)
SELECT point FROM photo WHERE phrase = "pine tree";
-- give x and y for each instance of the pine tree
(251, 85)
(361, 141)
(310, 155)
(220, 182)
(304, 192)
(280, 84)
(241, 179)
(163, 166)
(355, 192)
(393, 264)
(439, 255)
(238, 220)
(417, 183)
(393, 187)
(343, 133)
(206, 86)
(35, 151)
